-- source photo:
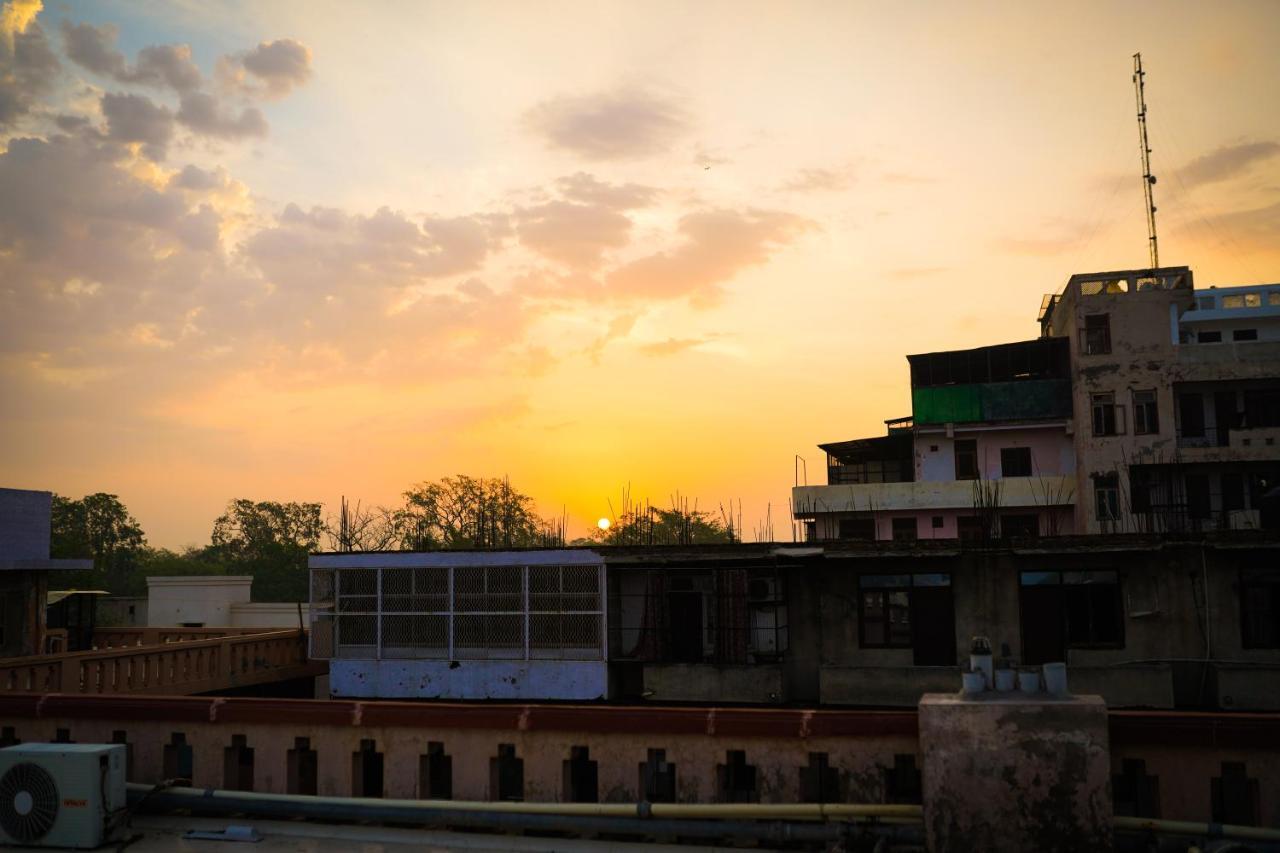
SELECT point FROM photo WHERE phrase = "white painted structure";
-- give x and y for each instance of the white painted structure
(197, 600)
(461, 625)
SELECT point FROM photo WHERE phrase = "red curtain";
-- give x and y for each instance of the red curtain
(732, 618)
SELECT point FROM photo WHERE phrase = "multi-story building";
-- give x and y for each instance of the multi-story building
(1145, 406)
(1177, 399)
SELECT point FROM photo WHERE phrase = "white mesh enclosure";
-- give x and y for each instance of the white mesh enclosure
(460, 612)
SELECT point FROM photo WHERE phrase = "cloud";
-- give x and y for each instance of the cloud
(202, 113)
(672, 346)
(1254, 230)
(93, 48)
(28, 67)
(1226, 162)
(135, 118)
(573, 234)
(272, 69)
(587, 189)
(818, 180)
(716, 245)
(620, 124)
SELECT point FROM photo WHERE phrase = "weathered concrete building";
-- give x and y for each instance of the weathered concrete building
(1145, 405)
(1177, 400)
(1143, 620)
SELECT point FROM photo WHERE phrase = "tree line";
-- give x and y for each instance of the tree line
(270, 540)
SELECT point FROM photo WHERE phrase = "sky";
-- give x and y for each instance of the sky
(301, 250)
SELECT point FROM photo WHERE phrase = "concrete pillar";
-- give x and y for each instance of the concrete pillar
(1008, 772)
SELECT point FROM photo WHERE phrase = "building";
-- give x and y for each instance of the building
(1144, 406)
(1177, 400)
(25, 524)
(1154, 621)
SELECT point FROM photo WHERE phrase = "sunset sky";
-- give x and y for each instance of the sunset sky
(293, 251)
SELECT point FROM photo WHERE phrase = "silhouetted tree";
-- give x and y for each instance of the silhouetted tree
(269, 540)
(651, 525)
(97, 526)
(470, 512)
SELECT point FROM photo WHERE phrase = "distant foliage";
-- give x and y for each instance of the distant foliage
(99, 527)
(651, 525)
(471, 512)
(269, 540)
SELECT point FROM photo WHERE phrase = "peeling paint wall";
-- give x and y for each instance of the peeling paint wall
(468, 679)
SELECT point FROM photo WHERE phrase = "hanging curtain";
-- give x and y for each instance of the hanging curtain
(732, 617)
(652, 645)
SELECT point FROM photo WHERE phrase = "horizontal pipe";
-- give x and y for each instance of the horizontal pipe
(1232, 831)
(747, 811)
(491, 816)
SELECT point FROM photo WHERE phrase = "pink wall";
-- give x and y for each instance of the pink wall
(1052, 452)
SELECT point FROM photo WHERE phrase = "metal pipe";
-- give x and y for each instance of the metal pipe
(755, 811)
(559, 817)
(1202, 830)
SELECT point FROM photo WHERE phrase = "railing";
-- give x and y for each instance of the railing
(112, 638)
(168, 667)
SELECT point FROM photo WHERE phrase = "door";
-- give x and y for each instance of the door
(933, 629)
(685, 611)
(1224, 414)
(1043, 634)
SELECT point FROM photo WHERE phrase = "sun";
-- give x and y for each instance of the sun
(603, 524)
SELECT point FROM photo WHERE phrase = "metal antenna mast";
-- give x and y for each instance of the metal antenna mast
(1148, 179)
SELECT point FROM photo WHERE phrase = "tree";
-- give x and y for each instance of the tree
(269, 540)
(470, 512)
(651, 525)
(97, 526)
(362, 528)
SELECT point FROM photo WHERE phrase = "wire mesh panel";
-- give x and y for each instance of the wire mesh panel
(460, 612)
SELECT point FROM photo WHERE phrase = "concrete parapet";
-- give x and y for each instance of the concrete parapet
(1014, 774)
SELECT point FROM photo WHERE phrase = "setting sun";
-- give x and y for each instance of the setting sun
(603, 524)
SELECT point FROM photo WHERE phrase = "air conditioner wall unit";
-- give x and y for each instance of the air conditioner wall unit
(61, 794)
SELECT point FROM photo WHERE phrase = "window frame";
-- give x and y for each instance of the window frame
(969, 444)
(1099, 403)
(1250, 579)
(895, 583)
(1096, 340)
(1104, 484)
(1142, 424)
(1007, 452)
(1058, 578)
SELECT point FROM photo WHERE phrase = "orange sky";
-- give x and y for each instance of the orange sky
(299, 250)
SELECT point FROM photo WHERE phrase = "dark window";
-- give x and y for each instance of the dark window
(1015, 462)
(1234, 796)
(1062, 610)
(1146, 420)
(1108, 418)
(937, 522)
(1261, 408)
(1141, 485)
(1198, 505)
(1191, 415)
(909, 611)
(1244, 335)
(1097, 334)
(971, 528)
(1260, 610)
(1134, 793)
(1106, 497)
(857, 528)
(1209, 337)
(904, 530)
(1019, 526)
(1232, 492)
(966, 459)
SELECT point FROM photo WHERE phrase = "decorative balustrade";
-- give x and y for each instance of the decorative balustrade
(173, 662)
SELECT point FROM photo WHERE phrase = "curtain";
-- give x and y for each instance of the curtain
(652, 645)
(732, 616)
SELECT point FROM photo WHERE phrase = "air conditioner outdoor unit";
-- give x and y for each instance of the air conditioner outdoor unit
(61, 794)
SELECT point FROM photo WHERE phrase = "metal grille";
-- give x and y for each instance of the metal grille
(459, 613)
(725, 616)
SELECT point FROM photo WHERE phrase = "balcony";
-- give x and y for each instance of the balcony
(1259, 444)
(1044, 491)
(1022, 400)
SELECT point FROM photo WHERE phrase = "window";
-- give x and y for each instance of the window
(1020, 526)
(1207, 337)
(1232, 492)
(1106, 496)
(937, 522)
(1233, 301)
(1069, 609)
(1015, 461)
(1108, 418)
(1141, 486)
(1191, 415)
(857, 528)
(1198, 504)
(971, 528)
(908, 611)
(904, 530)
(1244, 335)
(966, 459)
(1097, 334)
(1260, 609)
(1146, 420)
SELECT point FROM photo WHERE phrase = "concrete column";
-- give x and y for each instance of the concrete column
(1008, 772)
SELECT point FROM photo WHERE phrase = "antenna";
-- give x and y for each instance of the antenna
(1148, 179)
